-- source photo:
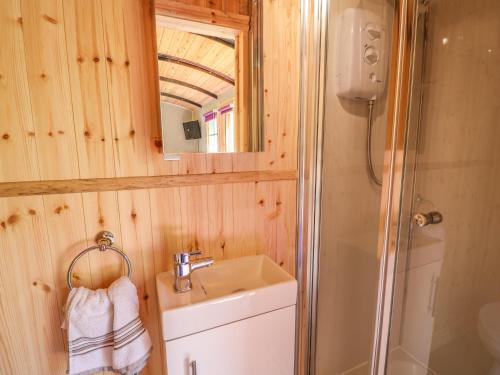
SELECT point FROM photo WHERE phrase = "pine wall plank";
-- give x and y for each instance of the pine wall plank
(89, 87)
(78, 100)
(48, 78)
(31, 337)
(17, 132)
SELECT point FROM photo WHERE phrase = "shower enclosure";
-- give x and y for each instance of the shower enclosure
(403, 278)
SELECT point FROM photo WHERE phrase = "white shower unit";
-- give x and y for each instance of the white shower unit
(361, 54)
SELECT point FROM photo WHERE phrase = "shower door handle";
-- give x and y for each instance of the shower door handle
(422, 220)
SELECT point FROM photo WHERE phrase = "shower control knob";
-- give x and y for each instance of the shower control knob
(371, 55)
(422, 220)
(373, 31)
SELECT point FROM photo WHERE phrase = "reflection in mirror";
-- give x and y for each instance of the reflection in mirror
(209, 81)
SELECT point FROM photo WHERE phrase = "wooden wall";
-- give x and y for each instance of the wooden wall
(78, 101)
(226, 6)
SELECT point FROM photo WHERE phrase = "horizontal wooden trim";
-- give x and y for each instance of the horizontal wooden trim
(177, 97)
(188, 85)
(195, 65)
(202, 14)
(18, 189)
(225, 42)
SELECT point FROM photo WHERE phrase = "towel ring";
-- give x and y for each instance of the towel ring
(104, 241)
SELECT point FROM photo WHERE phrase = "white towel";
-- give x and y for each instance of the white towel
(105, 332)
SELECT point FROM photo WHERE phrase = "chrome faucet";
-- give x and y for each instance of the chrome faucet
(184, 267)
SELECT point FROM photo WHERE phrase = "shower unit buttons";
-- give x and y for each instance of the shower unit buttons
(371, 54)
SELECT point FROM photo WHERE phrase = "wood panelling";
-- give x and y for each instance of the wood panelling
(229, 6)
(80, 71)
(228, 13)
(102, 119)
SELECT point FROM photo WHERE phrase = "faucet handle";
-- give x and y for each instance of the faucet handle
(195, 253)
(183, 257)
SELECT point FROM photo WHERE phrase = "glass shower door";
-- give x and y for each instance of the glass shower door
(446, 301)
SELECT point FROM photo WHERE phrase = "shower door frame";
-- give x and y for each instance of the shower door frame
(314, 24)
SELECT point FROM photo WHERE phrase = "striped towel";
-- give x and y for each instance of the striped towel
(105, 332)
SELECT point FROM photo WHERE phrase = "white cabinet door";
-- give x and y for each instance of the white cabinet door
(262, 345)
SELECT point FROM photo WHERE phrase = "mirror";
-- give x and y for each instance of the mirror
(210, 83)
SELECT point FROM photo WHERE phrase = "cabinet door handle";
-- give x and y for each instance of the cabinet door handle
(193, 368)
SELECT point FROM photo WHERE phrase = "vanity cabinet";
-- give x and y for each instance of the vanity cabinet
(238, 318)
(262, 344)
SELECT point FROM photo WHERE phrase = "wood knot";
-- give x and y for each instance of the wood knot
(271, 162)
(96, 59)
(109, 59)
(43, 76)
(50, 134)
(284, 134)
(269, 141)
(282, 264)
(261, 202)
(158, 143)
(131, 133)
(146, 297)
(79, 59)
(5, 136)
(32, 212)
(282, 155)
(44, 287)
(268, 115)
(3, 225)
(102, 139)
(12, 219)
(127, 63)
(116, 139)
(101, 220)
(59, 209)
(133, 215)
(278, 203)
(20, 21)
(87, 134)
(60, 132)
(50, 19)
(31, 134)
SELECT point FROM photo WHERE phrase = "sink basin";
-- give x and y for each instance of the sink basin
(228, 291)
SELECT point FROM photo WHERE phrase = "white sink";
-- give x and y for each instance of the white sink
(229, 291)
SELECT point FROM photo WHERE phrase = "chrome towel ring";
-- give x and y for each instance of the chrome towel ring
(104, 241)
